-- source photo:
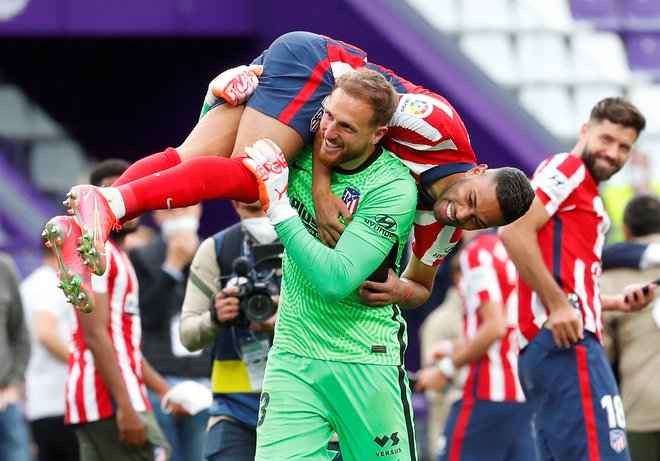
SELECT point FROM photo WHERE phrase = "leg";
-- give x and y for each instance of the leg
(14, 445)
(230, 441)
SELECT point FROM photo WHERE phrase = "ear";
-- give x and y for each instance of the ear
(476, 171)
(378, 134)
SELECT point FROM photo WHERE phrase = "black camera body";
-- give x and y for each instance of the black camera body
(256, 303)
(256, 291)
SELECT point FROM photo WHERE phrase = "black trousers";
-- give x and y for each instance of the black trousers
(56, 441)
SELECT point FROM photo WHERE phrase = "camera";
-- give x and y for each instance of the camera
(255, 287)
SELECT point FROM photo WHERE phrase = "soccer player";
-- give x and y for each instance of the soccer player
(299, 70)
(556, 248)
(492, 420)
(106, 399)
(335, 364)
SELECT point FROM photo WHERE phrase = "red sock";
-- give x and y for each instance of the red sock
(190, 182)
(154, 163)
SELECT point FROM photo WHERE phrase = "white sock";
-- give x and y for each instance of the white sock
(115, 200)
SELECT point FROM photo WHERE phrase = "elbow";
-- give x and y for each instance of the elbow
(332, 294)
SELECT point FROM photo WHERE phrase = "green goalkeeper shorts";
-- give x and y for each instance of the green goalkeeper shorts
(305, 400)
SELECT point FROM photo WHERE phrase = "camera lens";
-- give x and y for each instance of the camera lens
(259, 307)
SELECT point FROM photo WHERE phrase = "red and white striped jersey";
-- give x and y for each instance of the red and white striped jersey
(571, 242)
(427, 135)
(87, 398)
(488, 275)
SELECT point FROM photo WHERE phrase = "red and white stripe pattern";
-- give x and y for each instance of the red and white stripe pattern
(488, 275)
(87, 398)
(571, 242)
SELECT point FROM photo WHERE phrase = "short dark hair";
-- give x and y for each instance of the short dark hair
(106, 169)
(620, 111)
(514, 193)
(642, 215)
(375, 89)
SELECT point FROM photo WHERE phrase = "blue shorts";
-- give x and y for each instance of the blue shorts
(577, 408)
(298, 76)
(479, 430)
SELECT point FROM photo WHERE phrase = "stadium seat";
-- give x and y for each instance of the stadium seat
(441, 14)
(543, 15)
(586, 96)
(493, 53)
(646, 96)
(641, 15)
(56, 165)
(486, 15)
(553, 106)
(43, 126)
(600, 57)
(14, 109)
(643, 50)
(604, 14)
(544, 58)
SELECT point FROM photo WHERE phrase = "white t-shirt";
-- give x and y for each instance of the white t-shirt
(46, 375)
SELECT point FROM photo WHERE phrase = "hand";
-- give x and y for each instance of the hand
(181, 248)
(267, 163)
(566, 325)
(172, 408)
(9, 395)
(328, 207)
(265, 327)
(635, 297)
(235, 85)
(227, 304)
(431, 378)
(131, 427)
(392, 290)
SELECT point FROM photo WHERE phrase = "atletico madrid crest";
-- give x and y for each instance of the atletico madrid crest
(351, 197)
(618, 440)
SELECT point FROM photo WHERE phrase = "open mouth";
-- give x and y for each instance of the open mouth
(449, 212)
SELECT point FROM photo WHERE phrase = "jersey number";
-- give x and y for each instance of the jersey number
(614, 408)
(265, 400)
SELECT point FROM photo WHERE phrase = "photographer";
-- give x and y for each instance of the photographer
(240, 346)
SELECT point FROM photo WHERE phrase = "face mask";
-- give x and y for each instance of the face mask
(179, 224)
(260, 229)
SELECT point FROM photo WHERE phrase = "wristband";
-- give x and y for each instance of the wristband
(447, 368)
(408, 293)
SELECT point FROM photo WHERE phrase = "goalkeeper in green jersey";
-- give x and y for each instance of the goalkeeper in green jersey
(336, 364)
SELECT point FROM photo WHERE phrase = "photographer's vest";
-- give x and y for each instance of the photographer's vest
(232, 384)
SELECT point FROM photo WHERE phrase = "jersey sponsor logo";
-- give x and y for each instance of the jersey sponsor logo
(391, 442)
(132, 305)
(416, 105)
(386, 221)
(618, 440)
(379, 228)
(351, 197)
(379, 349)
(315, 122)
(305, 216)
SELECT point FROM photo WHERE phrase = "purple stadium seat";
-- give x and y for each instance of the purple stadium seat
(604, 14)
(643, 50)
(642, 15)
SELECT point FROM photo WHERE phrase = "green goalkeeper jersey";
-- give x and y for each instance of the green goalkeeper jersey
(320, 315)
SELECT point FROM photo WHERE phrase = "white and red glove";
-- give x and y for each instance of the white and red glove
(234, 85)
(268, 164)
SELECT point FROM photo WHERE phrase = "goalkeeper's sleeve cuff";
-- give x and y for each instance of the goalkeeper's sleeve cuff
(279, 212)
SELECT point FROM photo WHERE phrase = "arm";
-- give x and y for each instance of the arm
(492, 328)
(45, 328)
(95, 330)
(337, 272)
(520, 240)
(154, 381)
(411, 290)
(17, 333)
(633, 298)
(197, 329)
